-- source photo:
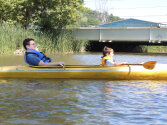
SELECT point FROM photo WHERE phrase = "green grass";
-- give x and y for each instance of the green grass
(154, 49)
(12, 36)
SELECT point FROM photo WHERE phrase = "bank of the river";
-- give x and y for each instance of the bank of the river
(12, 36)
(154, 49)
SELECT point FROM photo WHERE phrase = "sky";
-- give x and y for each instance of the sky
(148, 10)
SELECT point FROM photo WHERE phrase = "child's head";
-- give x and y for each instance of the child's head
(107, 51)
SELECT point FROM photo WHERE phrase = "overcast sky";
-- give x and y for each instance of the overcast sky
(149, 10)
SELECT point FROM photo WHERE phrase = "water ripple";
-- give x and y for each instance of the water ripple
(83, 102)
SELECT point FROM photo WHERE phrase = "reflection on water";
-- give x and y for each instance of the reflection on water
(137, 102)
(83, 102)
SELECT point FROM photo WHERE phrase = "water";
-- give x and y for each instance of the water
(83, 102)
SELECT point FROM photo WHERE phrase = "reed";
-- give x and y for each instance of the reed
(12, 36)
(154, 49)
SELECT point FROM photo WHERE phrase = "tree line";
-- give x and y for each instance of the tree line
(50, 13)
(44, 13)
(93, 18)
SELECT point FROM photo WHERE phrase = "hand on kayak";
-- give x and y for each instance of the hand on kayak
(61, 63)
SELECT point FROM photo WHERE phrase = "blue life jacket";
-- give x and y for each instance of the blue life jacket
(44, 58)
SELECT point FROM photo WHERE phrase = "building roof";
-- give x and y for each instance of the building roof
(131, 23)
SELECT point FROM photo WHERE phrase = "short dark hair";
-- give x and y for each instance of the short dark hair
(27, 42)
(107, 50)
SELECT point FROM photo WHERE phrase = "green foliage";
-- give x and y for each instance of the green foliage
(153, 49)
(46, 13)
(93, 18)
(113, 18)
(60, 43)
(89, 18)
(12, 36)
(50, 14)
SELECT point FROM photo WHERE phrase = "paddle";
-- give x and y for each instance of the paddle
(147, 65)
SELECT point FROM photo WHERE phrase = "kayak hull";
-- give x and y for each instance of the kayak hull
(125, 72)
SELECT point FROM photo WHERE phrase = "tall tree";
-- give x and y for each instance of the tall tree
(63, 13)
(46, 13)
(101, 6)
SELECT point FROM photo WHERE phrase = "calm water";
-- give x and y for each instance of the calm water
(83, 102)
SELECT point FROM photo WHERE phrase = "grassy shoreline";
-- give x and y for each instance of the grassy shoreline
(154, 49)
(12, 36)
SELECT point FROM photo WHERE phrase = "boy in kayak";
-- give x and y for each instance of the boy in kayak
(107, 59)
(36, 58)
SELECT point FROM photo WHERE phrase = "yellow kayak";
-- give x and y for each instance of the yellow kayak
(124, 72)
